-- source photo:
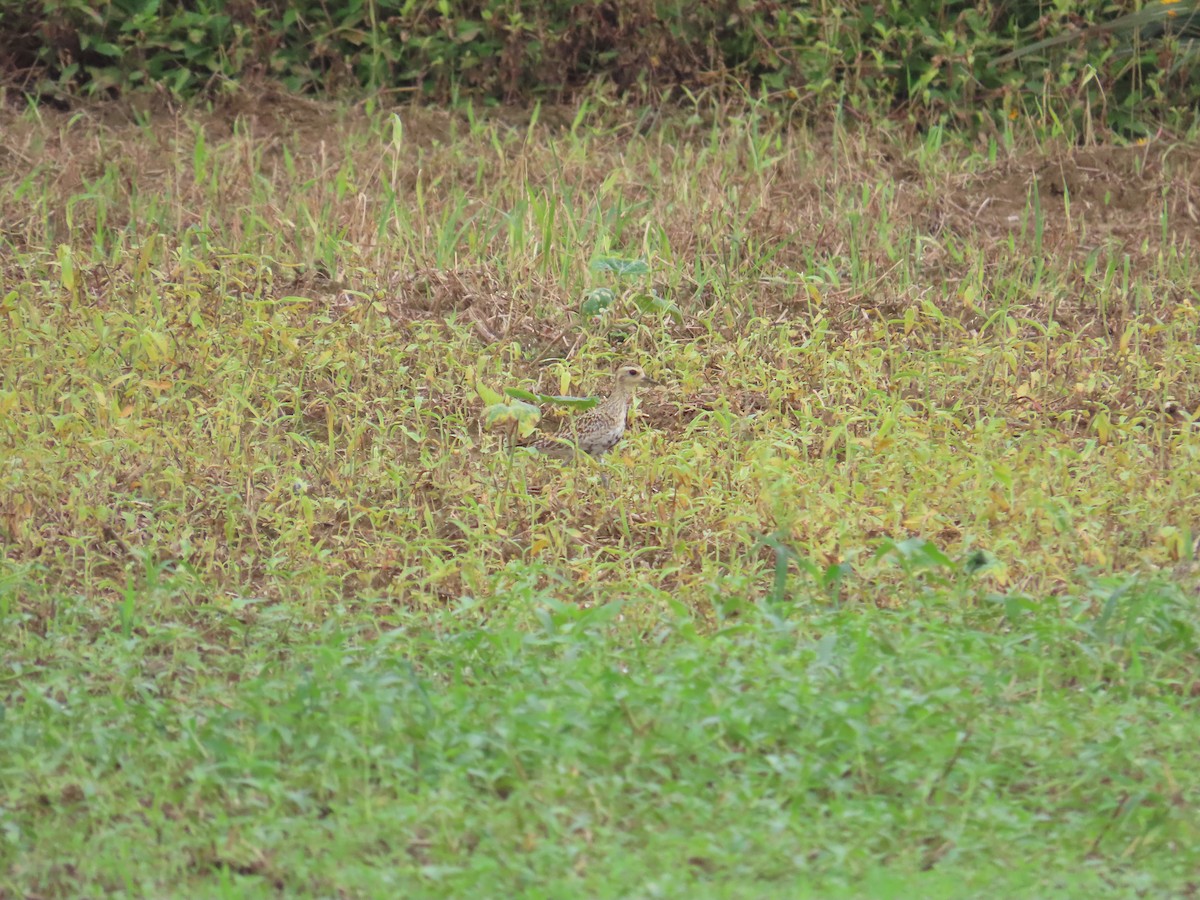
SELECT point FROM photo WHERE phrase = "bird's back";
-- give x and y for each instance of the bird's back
(596, 432)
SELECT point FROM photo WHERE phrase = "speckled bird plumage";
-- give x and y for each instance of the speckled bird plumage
(598, 430)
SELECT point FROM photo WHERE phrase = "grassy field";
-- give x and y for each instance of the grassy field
(888, 592)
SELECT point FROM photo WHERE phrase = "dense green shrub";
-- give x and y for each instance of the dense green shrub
(926, 60)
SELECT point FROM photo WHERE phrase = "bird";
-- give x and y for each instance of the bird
(598, 430)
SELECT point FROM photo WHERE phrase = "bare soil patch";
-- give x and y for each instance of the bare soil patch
(1089, 196)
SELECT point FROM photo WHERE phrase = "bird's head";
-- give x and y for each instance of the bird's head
(630, 376)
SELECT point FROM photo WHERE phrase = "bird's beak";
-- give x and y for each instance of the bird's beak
(650, 382)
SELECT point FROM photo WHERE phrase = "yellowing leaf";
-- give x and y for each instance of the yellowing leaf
(145, 256)
(523, 415)
(156, 345)
(487, 395)
(66, 265)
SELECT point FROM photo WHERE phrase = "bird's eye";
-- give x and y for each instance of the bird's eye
(631, 371)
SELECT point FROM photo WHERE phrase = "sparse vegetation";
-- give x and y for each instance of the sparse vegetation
(890, 592)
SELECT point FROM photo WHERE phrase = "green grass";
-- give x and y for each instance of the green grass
(889, 591)
(544, 750)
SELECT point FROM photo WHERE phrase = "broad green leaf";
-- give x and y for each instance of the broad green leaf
(597, 301)
(620, 266)
(933, 555)
(653, 304)
(524, 415)
(568, 402)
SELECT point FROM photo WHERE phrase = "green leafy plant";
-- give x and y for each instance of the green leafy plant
(575, 403)
(598, 301)
(930, 63)
(514, 417)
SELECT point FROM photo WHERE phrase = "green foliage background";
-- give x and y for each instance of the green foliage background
(1120, 62)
